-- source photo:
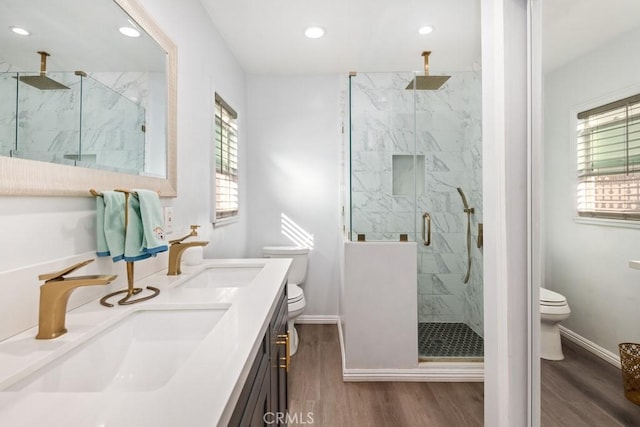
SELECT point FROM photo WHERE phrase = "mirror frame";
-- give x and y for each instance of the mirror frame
(20, 177)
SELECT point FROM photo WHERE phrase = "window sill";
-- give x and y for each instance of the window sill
(229, 221)
(608, 222)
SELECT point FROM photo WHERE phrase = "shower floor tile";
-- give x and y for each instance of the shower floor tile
(449, 340)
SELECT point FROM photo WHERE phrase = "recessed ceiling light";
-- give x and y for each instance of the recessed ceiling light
(20, 31)
(314, 32)
(427, 29)
(129, 31)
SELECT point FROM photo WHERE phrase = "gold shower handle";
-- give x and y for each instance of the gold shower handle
(426, 229)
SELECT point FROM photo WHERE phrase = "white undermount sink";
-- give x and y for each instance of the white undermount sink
(141, 352)
(224, 277)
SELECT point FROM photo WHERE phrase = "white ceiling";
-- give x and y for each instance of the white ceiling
(572, 28)
(381, 35)
(266, 36)
(362, 35)
(78, 34)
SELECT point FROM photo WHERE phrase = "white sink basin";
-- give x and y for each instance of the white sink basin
(141, 352)
(224, 277)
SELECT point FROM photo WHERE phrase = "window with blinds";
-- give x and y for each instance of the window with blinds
(226, 160)
(608, 140)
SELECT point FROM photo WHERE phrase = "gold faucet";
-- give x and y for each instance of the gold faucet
(177, 248)
(54, 295)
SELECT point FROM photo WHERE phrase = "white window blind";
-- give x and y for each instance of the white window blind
(608, 140)
(226, 160)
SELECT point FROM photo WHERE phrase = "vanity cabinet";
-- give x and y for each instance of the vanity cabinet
(264, 394)
(279, 358)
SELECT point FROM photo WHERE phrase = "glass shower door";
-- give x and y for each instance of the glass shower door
(450, 300)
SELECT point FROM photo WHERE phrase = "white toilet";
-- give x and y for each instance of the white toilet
(295, 278)
(553, 310)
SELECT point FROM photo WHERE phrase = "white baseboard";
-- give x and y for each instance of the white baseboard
(311, 319)
(425, 372)
(590, 346)
(342, 352)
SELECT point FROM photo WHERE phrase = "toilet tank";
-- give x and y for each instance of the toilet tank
(299, 255)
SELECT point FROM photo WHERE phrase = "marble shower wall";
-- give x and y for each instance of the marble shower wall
(443, 129)
(59, 125)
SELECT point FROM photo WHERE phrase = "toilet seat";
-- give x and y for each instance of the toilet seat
(549, 311)
(550, 298)
(553, 310)
(285, 250)
(295, 293)
(295, 302)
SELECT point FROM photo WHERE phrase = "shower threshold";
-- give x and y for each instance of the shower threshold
(449, 342)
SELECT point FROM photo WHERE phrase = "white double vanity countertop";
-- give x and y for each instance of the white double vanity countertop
(179, 359)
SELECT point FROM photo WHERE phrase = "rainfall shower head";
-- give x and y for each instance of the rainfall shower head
(41, 81)
(427, 82)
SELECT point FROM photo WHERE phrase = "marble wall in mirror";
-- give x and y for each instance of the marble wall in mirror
(112, 123)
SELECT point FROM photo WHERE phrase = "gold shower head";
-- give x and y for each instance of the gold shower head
(41, 81)
(427, 82)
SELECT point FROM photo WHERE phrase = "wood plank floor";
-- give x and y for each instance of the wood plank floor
(316, 388)
(584, 390)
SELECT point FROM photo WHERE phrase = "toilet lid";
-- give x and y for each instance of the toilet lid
(295, 293)
(548, 297)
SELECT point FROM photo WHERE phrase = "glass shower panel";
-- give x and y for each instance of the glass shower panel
(113, 129)
(8, 94)
(84, 123)
(382, 151)
(48, 120)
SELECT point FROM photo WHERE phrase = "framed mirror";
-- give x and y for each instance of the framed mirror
(107, 71)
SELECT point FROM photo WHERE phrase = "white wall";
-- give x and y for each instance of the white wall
(294, 169)
(205, 66)
(35, 230)
(505, 162)
(588, 263)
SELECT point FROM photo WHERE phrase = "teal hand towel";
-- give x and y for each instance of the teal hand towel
(153, 236)
(101, 239)
(145, 227)
(113, 224)
(133, 250)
